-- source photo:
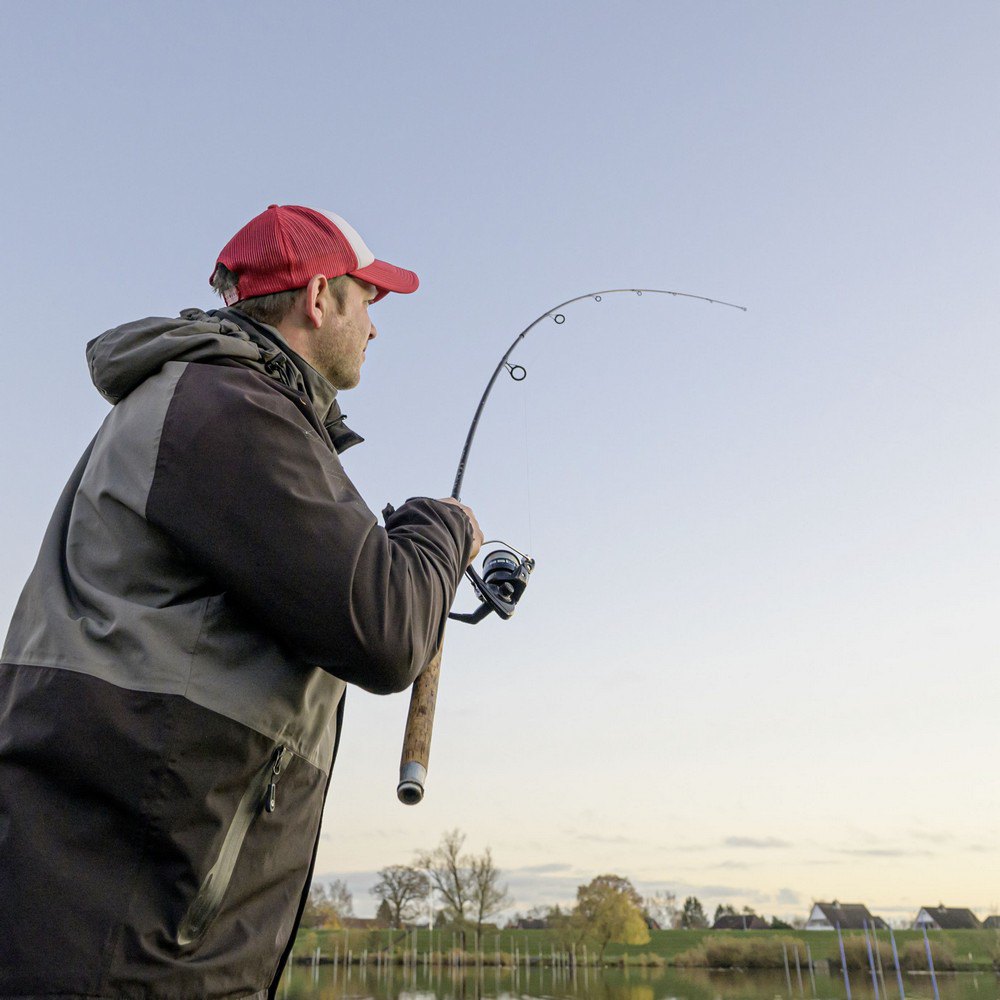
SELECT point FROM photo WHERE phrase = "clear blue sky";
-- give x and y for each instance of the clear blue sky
(758, 660)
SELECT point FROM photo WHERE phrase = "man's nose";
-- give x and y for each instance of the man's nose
(372, 332)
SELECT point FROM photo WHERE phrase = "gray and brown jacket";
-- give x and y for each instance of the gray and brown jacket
(172, 684)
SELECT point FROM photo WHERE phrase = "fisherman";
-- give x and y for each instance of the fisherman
(172, 685)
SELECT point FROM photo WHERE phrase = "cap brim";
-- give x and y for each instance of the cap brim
(387, 278)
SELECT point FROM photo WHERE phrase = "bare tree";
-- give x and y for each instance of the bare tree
(467, 885)
(488, 896)
(402, 888)
(449, 876)
(662, 907)
(328, 904)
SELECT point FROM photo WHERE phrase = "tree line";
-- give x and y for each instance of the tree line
(466, 887)
(465, 890)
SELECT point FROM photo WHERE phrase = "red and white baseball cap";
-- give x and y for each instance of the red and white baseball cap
(283, 247)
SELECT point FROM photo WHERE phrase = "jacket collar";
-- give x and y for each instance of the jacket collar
(292, 370)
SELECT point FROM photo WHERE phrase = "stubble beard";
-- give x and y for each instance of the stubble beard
(338, 361)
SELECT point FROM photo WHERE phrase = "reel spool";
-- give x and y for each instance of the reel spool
(505, 576)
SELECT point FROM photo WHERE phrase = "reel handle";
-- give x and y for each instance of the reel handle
(500, 587)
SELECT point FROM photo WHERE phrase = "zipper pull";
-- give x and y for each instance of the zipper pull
(270, 798)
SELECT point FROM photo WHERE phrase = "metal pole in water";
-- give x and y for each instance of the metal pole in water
(899, 971)
(871, 959)
(788, 975)
(930, 964)
(878, 962)
(812, 971)
(843, 963)
(798, 972)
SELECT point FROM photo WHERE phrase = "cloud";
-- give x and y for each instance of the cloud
(723, 891)
(789, 896)
(882, 852)
(755, 842)
(547, 869)
(600, 838)
(934, 838)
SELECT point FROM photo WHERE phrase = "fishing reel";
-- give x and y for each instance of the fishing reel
(505, 575)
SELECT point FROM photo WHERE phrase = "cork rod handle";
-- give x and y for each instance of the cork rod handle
(417, 738)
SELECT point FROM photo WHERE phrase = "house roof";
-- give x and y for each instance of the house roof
(850, 916)
(952, 918)
(739, 922)
(531, 924)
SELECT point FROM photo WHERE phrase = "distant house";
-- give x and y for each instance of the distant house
(846, 916)
(528, 924)
(740, 922)
(992, 923)
(946, 918)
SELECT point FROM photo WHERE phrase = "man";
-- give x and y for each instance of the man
(171, 688)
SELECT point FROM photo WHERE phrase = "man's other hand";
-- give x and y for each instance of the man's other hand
(477, 532)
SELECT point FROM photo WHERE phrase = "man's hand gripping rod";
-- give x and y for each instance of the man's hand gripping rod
(504, 575)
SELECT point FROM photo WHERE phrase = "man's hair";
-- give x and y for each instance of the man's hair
(271, 309)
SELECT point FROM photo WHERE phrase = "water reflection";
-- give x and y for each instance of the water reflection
(330, 982)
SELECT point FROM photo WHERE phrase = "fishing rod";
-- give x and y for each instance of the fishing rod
(505, 571)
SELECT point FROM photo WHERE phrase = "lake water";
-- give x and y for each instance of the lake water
(329, 982)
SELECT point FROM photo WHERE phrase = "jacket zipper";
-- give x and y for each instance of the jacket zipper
(277, 761)
(261, 794)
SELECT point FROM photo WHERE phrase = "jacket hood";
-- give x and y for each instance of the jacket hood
(123, 358)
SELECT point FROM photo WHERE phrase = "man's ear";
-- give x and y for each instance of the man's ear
(316, 304)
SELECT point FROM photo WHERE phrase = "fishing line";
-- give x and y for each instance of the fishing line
(527, 460)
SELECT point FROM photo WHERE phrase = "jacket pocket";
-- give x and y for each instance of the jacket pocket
(260, 796)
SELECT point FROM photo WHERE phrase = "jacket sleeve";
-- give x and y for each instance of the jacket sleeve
(248, 488)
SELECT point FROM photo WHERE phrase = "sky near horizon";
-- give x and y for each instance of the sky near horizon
(758, 660)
